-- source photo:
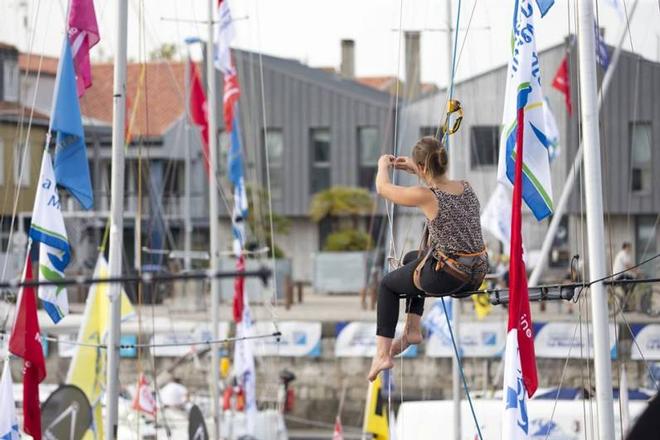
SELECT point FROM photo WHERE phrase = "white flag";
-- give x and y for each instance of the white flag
(515, 421)
(524, 93)
(244, 364)
(48, 229)
(8, 420)
(496, 217)
(223, 37)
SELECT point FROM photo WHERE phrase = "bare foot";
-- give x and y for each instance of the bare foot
(408, 338)
(379, 364)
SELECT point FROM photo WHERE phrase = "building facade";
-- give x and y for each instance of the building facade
(630, 133)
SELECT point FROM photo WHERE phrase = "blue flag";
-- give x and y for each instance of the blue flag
(602, 54)
(236, 176)
(71, 165)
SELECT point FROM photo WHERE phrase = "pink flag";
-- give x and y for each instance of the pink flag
(83, 35)
(144, 399)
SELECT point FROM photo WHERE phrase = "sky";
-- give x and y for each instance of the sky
(311, 30)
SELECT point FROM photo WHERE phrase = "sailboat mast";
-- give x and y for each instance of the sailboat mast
(457, 393)
(187, 214)
(214, 226)
(116, 218)
(594, 211)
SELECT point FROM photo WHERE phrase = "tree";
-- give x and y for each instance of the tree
(344, 207)
(259, 218)
(166, 51)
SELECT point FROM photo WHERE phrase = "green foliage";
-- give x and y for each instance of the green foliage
(259, 220)
(166, 51)
(348, 240)
(341, 201)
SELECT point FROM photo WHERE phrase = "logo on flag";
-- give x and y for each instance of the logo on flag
(524, 94)
(515, 422)
(48, 229)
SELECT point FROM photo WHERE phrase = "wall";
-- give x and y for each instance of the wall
(8, 134)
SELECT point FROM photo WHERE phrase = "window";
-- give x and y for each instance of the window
(10, 80)
(427, 131)
(640, 156)
(646, 242)
(368, 152)
(22, 162)
(484, 145)
(274, 144)
(320, 172)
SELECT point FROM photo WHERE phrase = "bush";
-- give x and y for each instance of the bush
(347, 240)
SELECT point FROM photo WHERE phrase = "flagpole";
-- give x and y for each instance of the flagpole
(594, 211)
(187, 222)
(456, 305)
(213, 219)
(116, 219)
(577, 163)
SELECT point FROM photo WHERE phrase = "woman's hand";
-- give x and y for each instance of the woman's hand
(386, 161)
(406, 164)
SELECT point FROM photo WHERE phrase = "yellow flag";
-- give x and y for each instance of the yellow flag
(87, 368)
(375, 414)
(481, 301)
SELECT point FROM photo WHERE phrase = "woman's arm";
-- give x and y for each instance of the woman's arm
(400, 195)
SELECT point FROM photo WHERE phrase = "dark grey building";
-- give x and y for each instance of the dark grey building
(630, 135)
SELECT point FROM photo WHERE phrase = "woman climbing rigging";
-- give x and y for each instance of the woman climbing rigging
(452, 259)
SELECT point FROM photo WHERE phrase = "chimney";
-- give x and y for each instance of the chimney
(413, 66)
(347, 68)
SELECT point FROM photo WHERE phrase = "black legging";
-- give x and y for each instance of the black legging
(400, 282)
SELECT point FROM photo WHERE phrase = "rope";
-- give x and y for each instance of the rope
(209, 342)
(460, 368)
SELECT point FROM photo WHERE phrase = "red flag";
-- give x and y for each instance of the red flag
(83, 35)
(198, 110)
(239, 286)
(231, 94)
(338, 434)
(562, 83)
(25, 342)
(144, 399)
(520, 317)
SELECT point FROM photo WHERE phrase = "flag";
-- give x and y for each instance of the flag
(338, 433)
(562, 83)
(25, 342)
(236, 177)
(520, 377)
(618, 7)
(198, 110)
(524, 81)
(243, 354)
(87, 367)
(482, 306)
(544, 6)
(496, 217)
(144, 400)
(48, 229)
(71, 165)
(8, 420)
(551, 130)
(229, 98)
(375, 413)
(83, 35)
(224, 34)
(602, 54)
